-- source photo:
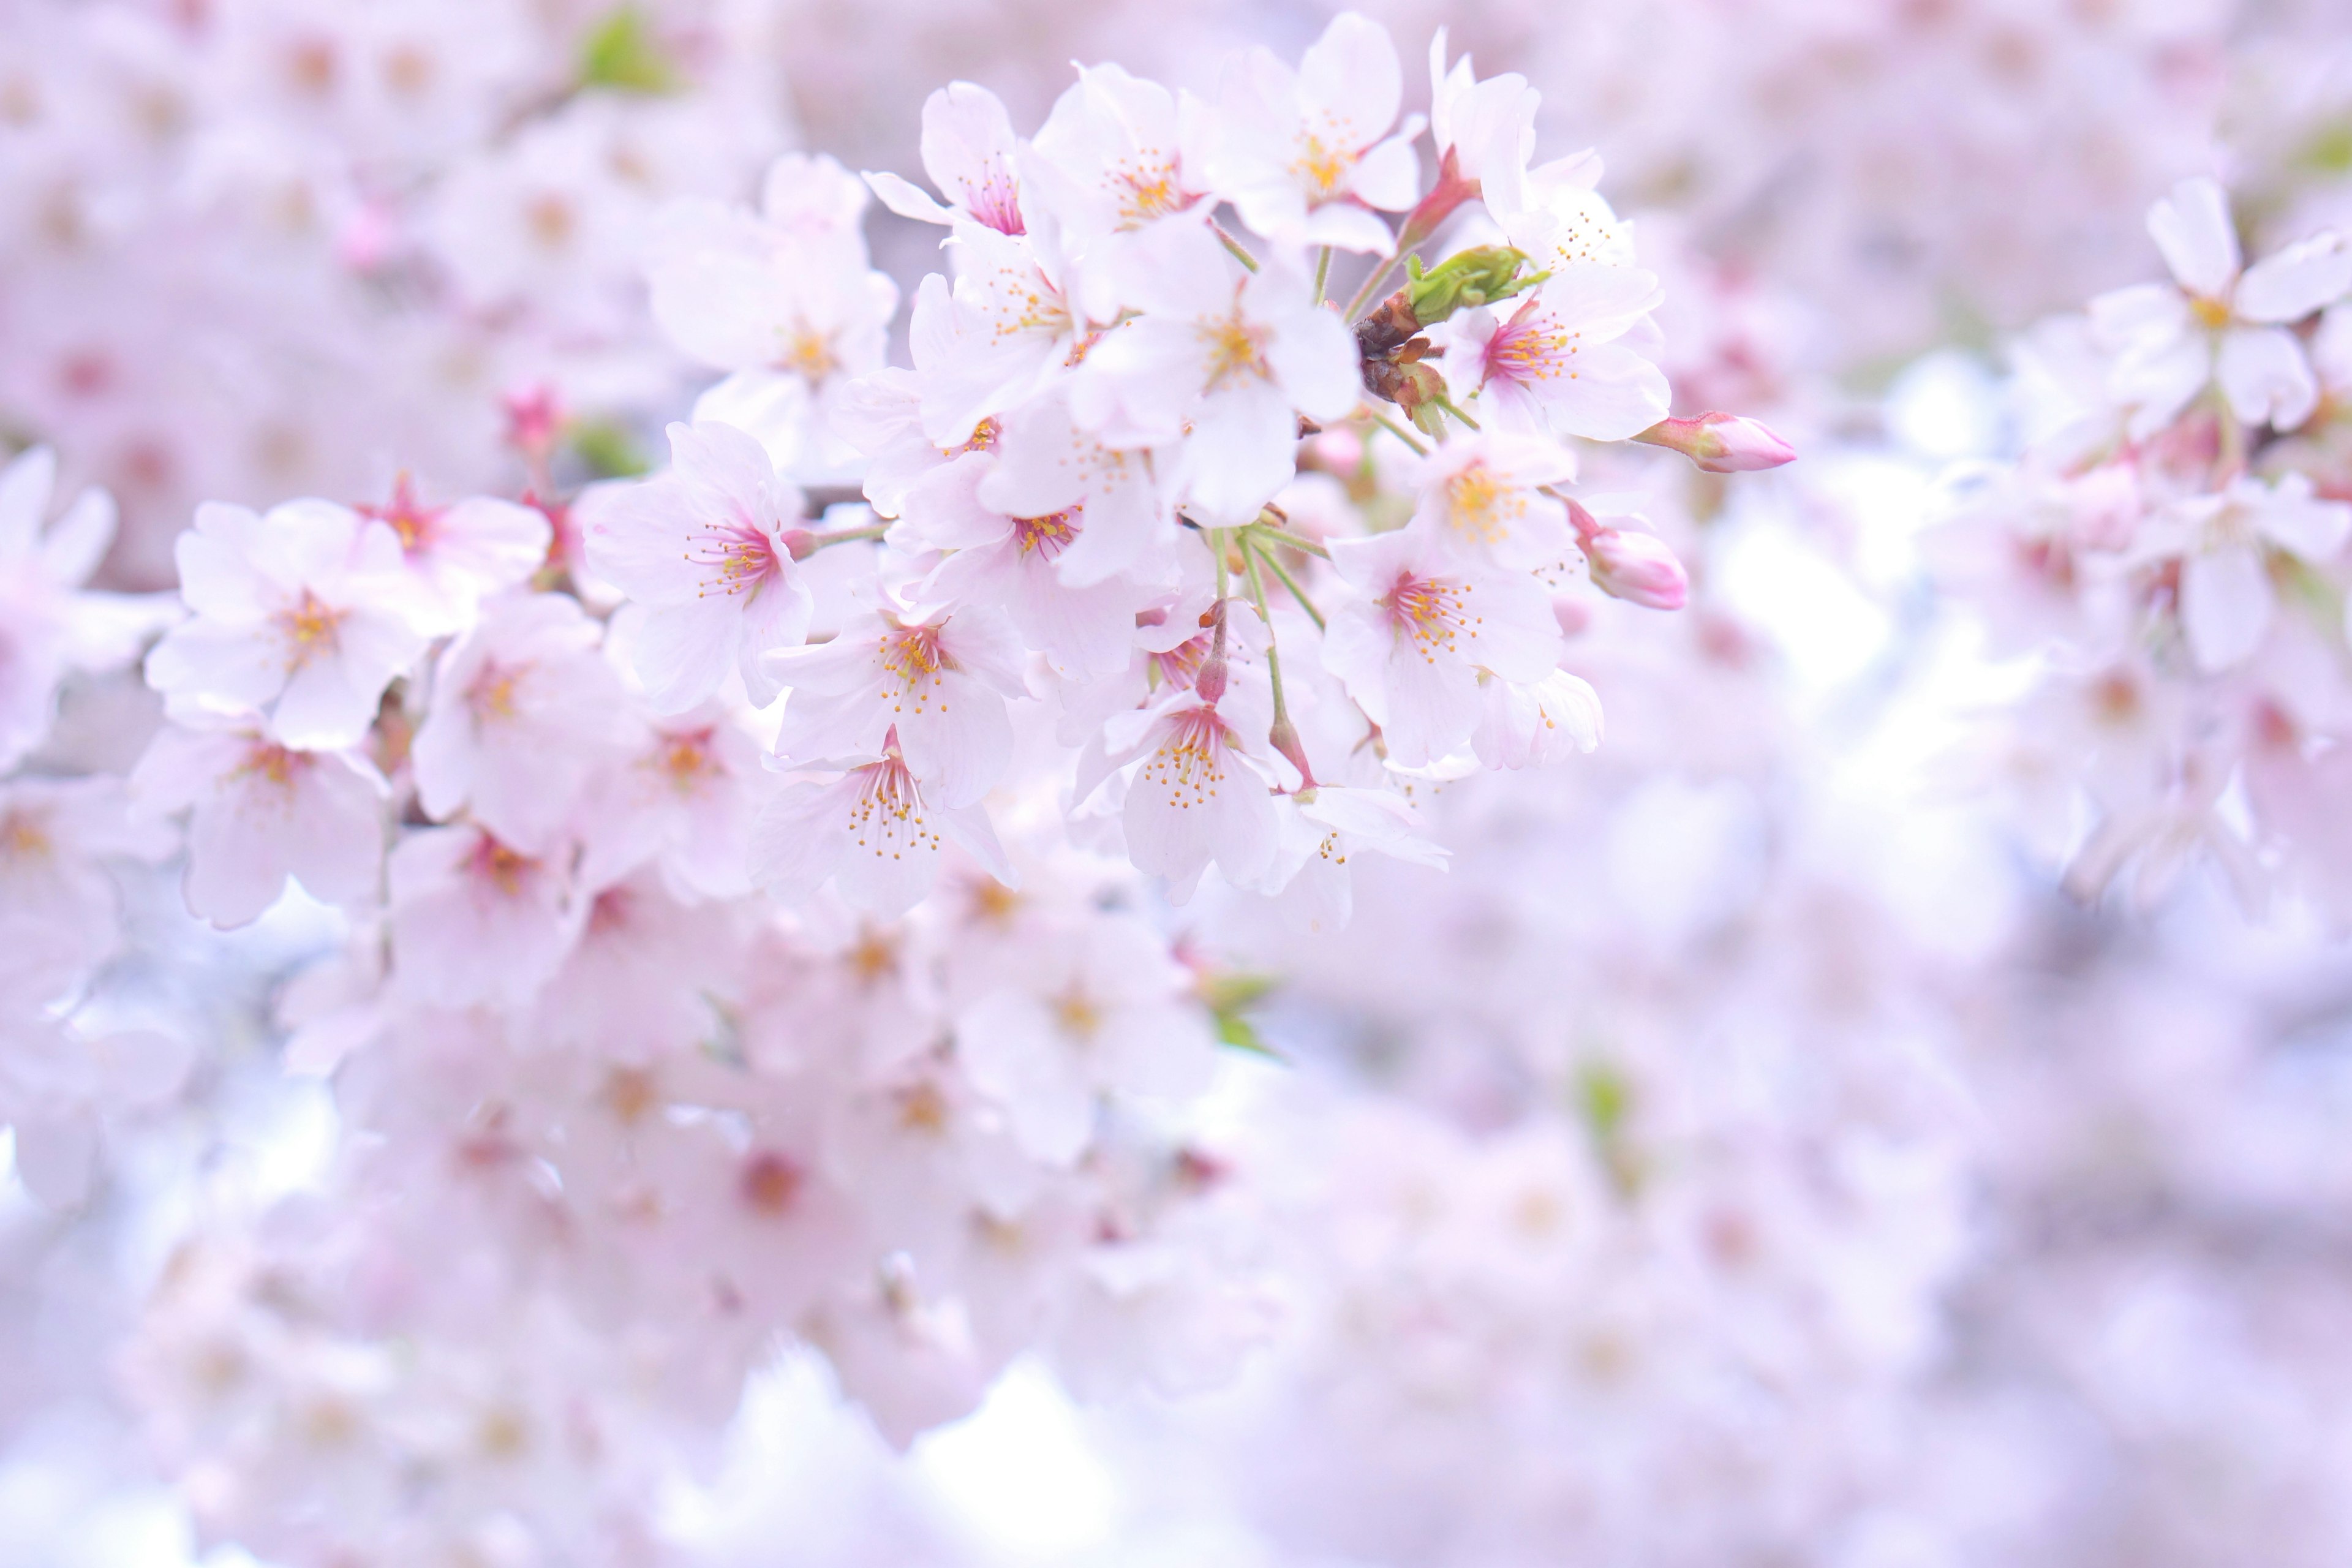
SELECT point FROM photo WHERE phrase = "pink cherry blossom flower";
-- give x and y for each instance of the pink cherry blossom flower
(2217, 322)
(58, 904)
(939, 680)
(1486, 128)
(46, 627)
(301, 614)
(1197, 796)
(970, 153)
(1420, 627)
(260, 813)
(2224, 544)
(1531, 724)
(873, 831)
(1555, 364)
(704, 547)
(1306, 155)
(457, 554)
(475, 920)
(1077, 1014)
(1324, 829)
(524, 708)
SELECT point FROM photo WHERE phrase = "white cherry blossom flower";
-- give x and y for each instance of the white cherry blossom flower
(1079, 1013)
(1420, 628)
(1306, 155)
(1225, 360)
(705, 547)
(1325, 827)
(302, 615)
(524, 710)
(2217, 323)
(2224, 542)
(1488, 129)
(1531, 724)
(260, 813)
(46, 627)
(1484, 496)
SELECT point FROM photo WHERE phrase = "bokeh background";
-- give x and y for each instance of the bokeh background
(1750, 1154)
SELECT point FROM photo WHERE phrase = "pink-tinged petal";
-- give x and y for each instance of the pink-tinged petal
(1009, 1042)
(1388, 177)
(682, 652)
(1433, 705)
(906, 198)
(2144, 316)
(798, 839)
(2306, 277)
(2225, 606)
(1343, 226)
(320, 708)
(25, 485)
(222, 667)
(2268, 380)
(217, 579)
(1311, 352)
(959, 743)
(76, 541)
(2192, 229)
(1611, 395)
(2155, 386)
(1242, 448)
(1350, 84)
(967, 149)
(2300, 523)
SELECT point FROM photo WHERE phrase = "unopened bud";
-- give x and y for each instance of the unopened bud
(534, 416)
(1465, 281)
(1721, 443)
(1284, 737)
(1637, 567)
(1209, 685)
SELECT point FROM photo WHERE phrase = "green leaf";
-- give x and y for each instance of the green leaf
(609, 451)
(622, 53)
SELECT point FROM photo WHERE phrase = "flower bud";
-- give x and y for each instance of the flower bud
(1209, 685)
(1465, 281)
(1721, 443)
(1638, 567)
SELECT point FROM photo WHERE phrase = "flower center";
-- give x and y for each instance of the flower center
(1433, 610)
(309, 629)
(1236, 351)
(2212, 314)
(1045, 536)
(1480, 505)
(768, 1183)
(1321, 166)
(810, 353)
(738, 557)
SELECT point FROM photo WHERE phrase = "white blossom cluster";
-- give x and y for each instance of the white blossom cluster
(2173, 551)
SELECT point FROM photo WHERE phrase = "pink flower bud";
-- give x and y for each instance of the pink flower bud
(1638, 567)
(1721, 443)
(1210, 683)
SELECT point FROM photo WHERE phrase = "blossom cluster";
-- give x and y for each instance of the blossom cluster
(1101, 539)
(2173, 551)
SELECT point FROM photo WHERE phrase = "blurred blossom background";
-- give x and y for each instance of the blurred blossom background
(1884, 1107)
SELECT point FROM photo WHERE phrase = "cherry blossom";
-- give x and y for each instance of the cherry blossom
(2217, 322)
(302, 615)
(260, 813)
(704, 548)
(1420, 629)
